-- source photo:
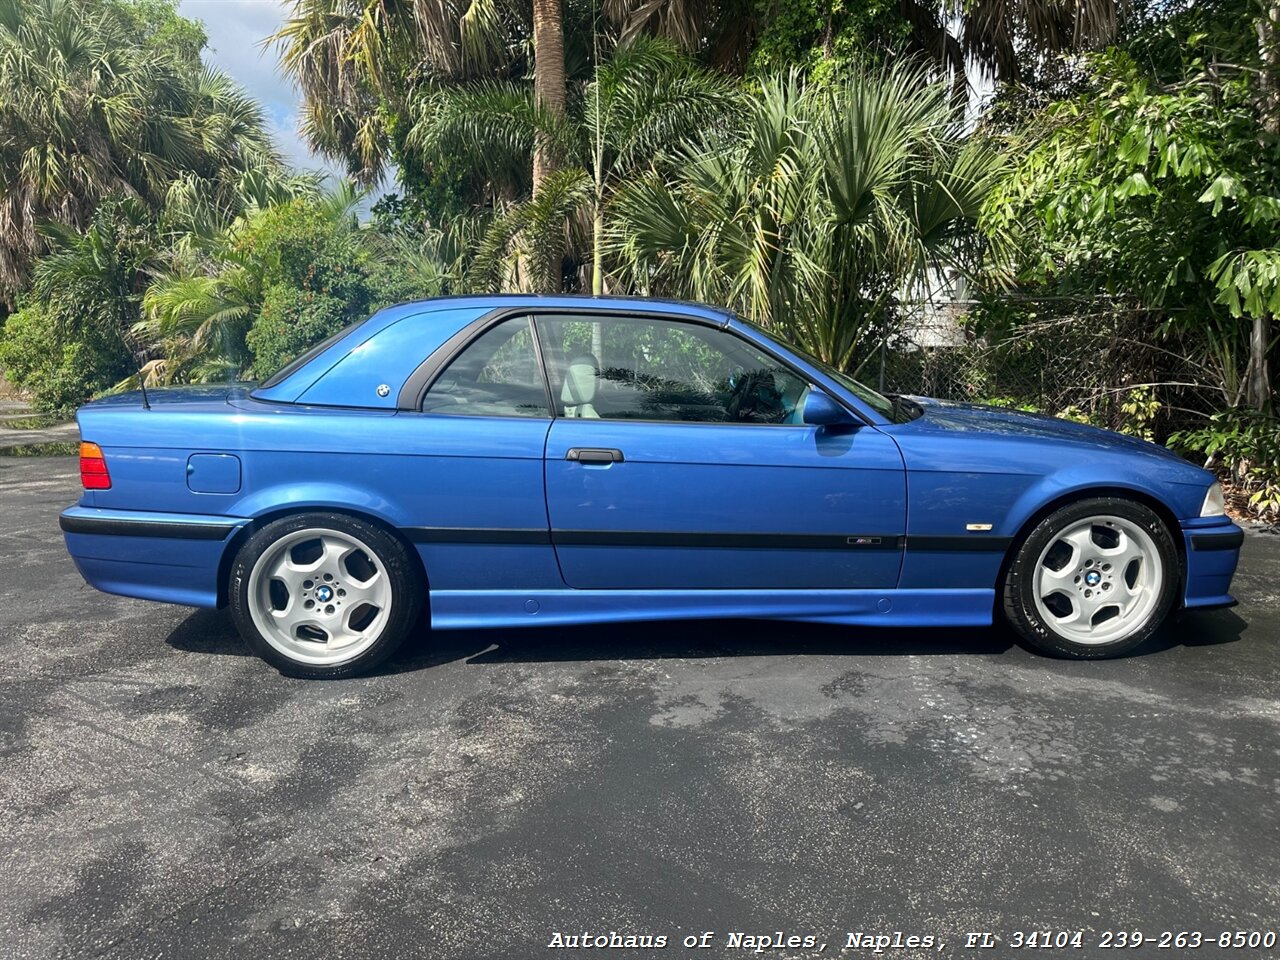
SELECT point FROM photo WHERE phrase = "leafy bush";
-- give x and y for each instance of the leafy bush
(1155, 188)
(315, 274)
(309, 245)
(1009, 403)
(59, 370)
(1244, 447)
(291, 321)
(321, 272)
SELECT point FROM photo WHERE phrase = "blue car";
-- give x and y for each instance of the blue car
(508, 460)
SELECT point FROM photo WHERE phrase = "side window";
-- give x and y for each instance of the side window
(496, 375)
(632, 368)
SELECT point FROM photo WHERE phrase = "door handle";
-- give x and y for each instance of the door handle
(594, 455)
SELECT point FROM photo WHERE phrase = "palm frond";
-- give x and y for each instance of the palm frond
(492, 127)
(813, 207)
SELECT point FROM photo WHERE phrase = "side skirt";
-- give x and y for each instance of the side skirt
(473, 609)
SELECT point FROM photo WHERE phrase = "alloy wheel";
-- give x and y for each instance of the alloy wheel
(320, 596)
(1098, 580)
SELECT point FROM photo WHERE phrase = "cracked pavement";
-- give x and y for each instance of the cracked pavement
(163, 794)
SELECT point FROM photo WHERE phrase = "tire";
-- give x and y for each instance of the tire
(1093, 579)
(324, 595)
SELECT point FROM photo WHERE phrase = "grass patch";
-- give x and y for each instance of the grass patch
(58, 448)
(38, 421)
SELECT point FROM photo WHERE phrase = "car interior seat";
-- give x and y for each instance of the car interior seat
(579, 391)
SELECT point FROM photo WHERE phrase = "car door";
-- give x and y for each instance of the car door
(678, 460)
(473, 491)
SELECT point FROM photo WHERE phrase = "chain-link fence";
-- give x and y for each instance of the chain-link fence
(1110, 368)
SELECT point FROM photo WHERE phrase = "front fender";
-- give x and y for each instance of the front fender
(948, 509)
(1175, 487)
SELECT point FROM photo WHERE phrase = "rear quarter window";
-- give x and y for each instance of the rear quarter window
(301, 361)
(371, 374)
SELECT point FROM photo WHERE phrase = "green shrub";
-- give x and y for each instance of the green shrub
(1244, 447)
(1009, 403)
(305, 245)
(292, 320)
(316, 278)
(60, 371)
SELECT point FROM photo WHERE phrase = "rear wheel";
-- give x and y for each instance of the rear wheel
(323, 595)
(1093, 579)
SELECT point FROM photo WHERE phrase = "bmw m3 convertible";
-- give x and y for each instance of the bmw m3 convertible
(508, 460)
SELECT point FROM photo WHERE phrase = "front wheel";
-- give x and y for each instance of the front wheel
(1093, 579)
(323, 595)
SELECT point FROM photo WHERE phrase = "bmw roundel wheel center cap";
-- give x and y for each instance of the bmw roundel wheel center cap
(1093, 578)
(324, 593)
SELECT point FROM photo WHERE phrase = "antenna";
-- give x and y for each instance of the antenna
(142, 385)
(133, 343)
(137, 355)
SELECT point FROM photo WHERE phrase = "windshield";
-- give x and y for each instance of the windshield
(892, 409)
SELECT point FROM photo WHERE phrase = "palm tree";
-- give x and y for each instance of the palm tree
(93, 281)
(548, 78)
(723, 31)
(817, 211)
(996, 36)
(342, 53)
(350, 57)
(235, 145)
(1001, 36)
(86, 111)
(197, 324)
(365, 66)
(644, 97)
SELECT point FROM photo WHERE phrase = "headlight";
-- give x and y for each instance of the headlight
(1214, 505)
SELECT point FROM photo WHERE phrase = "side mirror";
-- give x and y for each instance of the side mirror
(822, 411)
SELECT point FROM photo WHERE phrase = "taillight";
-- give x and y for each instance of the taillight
(93, 467)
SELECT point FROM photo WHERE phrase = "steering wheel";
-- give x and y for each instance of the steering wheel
(754, 398)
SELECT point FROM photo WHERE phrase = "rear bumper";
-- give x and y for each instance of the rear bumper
(1213, 550)
(170, 557)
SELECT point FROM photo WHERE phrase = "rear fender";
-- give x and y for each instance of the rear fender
(312, 495)
(278, 501)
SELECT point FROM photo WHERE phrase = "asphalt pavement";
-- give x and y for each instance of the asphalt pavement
(163, 794)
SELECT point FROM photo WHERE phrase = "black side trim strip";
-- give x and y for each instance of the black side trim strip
(476, 535)
(778, 541)
(162, 529)
(1217, 541)
(970, 544)
(763, 541)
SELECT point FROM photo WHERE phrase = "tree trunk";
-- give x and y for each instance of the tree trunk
(1258, 386)
(548, 76)
(1258, 375)
(597, 250)
(597, 213)
(1268, 27)
(549, 94)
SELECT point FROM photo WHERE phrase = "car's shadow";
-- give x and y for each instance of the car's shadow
(212, 632)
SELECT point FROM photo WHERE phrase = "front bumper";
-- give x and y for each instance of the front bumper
(1212, 550)
(170, 557)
